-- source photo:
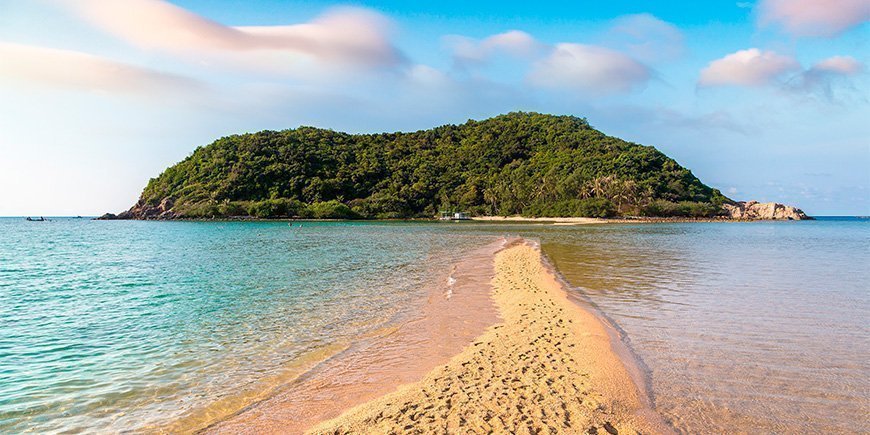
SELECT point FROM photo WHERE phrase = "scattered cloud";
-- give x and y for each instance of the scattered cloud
(821, 77)
(845, 65)
(647, 37)
(339, 38)
(589, 69)
(468, 51)
(80, 71)
(752, 67)
(756, 68)
(824, 18)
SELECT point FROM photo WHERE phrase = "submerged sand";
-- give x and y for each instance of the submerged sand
(457, 310)
(547, 367)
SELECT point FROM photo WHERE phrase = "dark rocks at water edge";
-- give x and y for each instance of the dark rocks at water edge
(144, 211)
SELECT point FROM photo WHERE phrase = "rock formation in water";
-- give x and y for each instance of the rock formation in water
(754, 210)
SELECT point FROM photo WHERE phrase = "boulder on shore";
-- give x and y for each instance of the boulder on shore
(754, 210)
(144, 211)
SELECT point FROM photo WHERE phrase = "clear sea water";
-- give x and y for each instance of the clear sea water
(757, 327)
(108, 326)
(120, 325)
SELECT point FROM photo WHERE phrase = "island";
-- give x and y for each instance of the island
(519, 164)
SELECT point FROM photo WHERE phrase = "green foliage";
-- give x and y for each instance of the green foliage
(585, 207)
(275, 208)
(595, 207)
(520, 163)
(266, 209)
(331, 210)
(230, 208)
(206, 209)
(664, 208)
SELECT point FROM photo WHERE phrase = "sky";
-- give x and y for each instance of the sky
(766, 100)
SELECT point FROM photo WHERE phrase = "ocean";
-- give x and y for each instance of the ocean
(755, 327)
(110, 326)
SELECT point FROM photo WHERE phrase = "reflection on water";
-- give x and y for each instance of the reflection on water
(757, 327)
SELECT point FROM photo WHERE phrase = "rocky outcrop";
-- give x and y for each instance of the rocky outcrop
(144, 211)
(754, 210)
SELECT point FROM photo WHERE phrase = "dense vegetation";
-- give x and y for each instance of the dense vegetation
(521, 163)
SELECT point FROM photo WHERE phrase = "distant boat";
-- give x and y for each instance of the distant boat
(39, 219)
(454, 216)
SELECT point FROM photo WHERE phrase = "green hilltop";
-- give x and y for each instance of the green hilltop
(516, 164)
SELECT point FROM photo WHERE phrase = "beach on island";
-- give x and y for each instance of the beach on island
(542, 364)
(543, 220)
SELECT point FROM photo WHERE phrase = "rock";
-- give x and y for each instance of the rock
(754, 210)
(144, 211)
(125, 215)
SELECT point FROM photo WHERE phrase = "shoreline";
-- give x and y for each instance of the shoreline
(457, 308)
(479, 219)
(591, 384)
(633, 363)
(549, 365)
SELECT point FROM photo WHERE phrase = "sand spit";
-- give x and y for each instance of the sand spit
(458, 309)
(548, 367)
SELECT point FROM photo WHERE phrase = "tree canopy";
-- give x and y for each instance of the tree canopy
(520, 163)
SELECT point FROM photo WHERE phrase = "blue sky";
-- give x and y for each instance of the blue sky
(765, 100)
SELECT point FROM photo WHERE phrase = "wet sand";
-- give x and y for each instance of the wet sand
(458, 309)
(547, 367)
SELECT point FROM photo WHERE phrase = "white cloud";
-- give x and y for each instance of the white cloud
(752, 67)
(844, 65)
(814, 17)
(76, 70)
(342, 37)
(647, 37)
(827, 79)
(514, 42)
(589, 69)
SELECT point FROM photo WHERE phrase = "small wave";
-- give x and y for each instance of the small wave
(450, 282)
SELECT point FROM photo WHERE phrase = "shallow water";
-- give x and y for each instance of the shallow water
(114, 326)
(111, 326)
(743, 327)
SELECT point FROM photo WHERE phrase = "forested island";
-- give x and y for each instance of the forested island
(526, 164)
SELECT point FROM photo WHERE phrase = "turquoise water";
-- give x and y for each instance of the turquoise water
(110, 326)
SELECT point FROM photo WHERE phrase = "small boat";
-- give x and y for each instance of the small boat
(454, 216)
(39, 219)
